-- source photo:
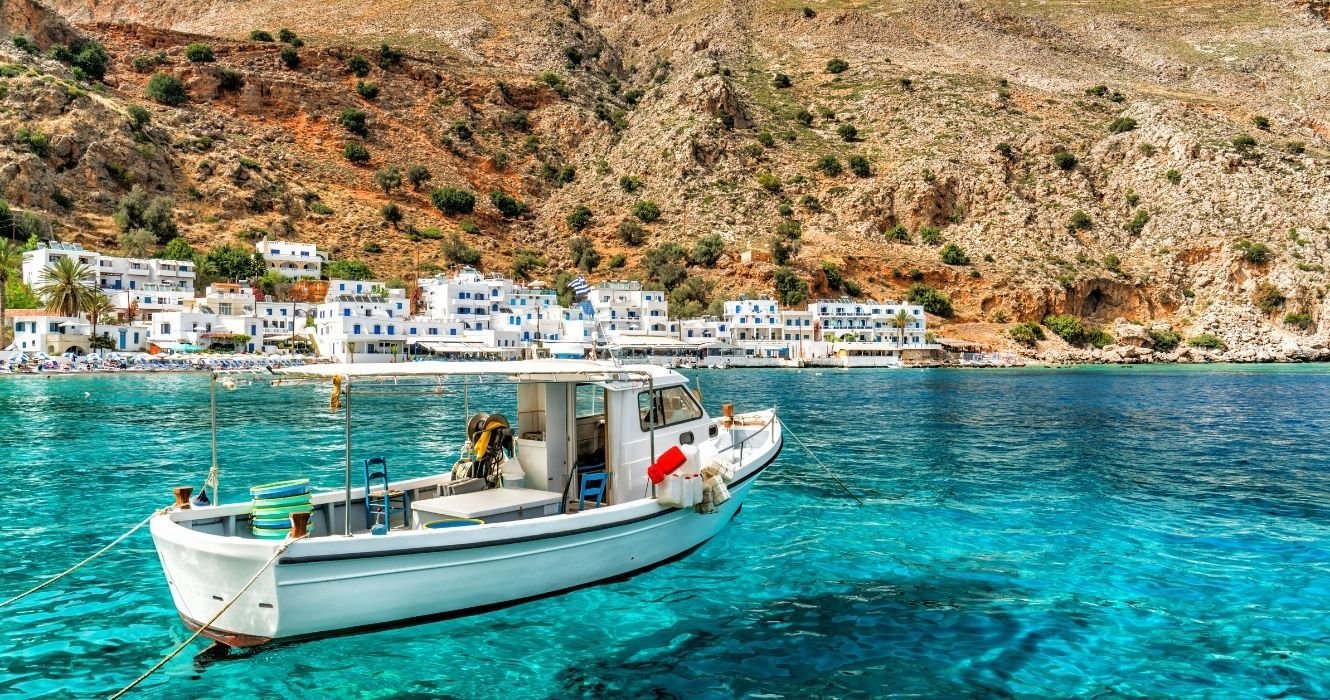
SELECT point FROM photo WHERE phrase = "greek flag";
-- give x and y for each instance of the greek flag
(579, 286)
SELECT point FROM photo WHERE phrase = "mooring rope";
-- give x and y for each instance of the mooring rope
(71, 569)
(211, 620)
(825, 468)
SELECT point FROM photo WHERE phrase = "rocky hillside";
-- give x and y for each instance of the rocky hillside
(1158, 161)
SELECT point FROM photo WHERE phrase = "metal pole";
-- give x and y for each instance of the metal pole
(346, 516)
(214, 471)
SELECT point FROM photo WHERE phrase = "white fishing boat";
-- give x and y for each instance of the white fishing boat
(561, 497)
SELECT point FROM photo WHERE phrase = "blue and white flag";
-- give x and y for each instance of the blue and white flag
(580, 286)
(587, 309)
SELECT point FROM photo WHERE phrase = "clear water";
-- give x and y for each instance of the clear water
(1134, 531)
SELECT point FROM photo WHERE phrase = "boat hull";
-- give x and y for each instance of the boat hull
(334, 585)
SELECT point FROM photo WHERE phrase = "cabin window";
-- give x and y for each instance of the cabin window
(590, 400)
(666, 407)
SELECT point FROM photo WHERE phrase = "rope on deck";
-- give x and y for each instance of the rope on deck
(71, 569)
(211, 620)
(825, 468)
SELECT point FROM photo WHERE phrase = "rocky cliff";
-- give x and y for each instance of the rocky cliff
(1110, 161)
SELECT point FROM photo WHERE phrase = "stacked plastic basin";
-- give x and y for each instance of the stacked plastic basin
(273, 504)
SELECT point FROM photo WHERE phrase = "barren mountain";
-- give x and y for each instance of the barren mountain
(1152, 160)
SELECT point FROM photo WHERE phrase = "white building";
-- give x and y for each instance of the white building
(753, 321)
(143, 284)
(172, 330)
(365, 322)
(703, 329)
(848, 320)
(37, 330)
(627, 308)
(292, 260)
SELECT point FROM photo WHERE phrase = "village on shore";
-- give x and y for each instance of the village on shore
(108, 312)
(149, 307)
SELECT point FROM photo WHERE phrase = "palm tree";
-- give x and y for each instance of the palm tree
(66, 287)
(900, 321)
(11, 256)
(98, 305)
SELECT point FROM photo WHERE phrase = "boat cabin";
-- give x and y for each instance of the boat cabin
(583, 437)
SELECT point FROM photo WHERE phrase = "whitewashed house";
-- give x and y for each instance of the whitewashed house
(625, 308)
(292, 260)
(144, 284)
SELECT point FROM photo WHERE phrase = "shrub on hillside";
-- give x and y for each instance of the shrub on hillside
(1300, 320)
(418, 175)
(1121, 125)
(584, 253)
(780, 80)
(664, 264)
(929, 235)
(631, 232)
(459, 253)
(579, 218)
(524, 263)
(1026, 334)
(451, 200)
(1254, 253)
(1267, 297)
(1138, 222)
(933, 301)
(1208, 341)
(829, 165)
(290, 57)
(348, 270)
(953, 254)
(355, 152)
(860, 167)
(354, 121)
(358, 65)
(1076, 332)
(1065, 160)
(229, 80)
(791, 289)
(388, 179)
(1164, 340)
(199, 52)
(707, 250)
(837, 65)
(509, 206)
(367, 90)
(260, 35)
(647, 211)
(139, 211)
(166, 89)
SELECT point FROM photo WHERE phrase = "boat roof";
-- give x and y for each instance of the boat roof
(520, 370)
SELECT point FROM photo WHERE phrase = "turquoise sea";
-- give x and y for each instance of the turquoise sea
(1137, 532)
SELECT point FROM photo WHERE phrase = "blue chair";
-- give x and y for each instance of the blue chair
(380, 500)
(593, 487)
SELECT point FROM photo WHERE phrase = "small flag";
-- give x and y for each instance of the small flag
(587, 309)
(579, 286)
